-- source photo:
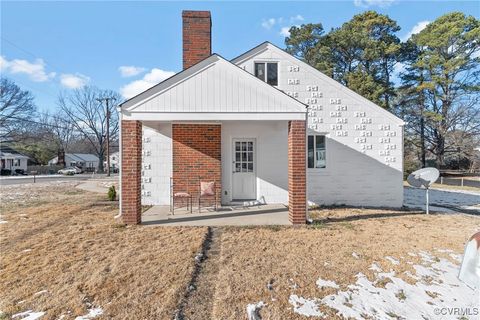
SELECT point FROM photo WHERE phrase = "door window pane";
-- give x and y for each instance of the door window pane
(272, 74)
(250, 146)
(244, 167)
(237, 146)
(250, 156)
(260, 71)
(237, 167)
(237, 156)
(250, 167)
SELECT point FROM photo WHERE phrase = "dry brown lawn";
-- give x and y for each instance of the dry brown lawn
(63, 253)
(294, 258)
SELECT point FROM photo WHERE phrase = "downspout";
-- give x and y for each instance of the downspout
(120, 159)
(306, 165)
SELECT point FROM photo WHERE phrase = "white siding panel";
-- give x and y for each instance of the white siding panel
(156, 163)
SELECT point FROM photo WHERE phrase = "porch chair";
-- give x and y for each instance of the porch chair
(207, 190)
(185, 195)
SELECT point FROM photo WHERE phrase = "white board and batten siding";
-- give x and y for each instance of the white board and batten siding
(213, 89)
(364, 143)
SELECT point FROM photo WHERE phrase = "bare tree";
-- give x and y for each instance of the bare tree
(16, 109)
(83, 110)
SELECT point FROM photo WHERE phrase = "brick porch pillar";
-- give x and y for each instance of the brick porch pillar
(297, 175)
(131, 193)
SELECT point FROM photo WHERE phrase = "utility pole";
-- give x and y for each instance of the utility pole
(107, 113)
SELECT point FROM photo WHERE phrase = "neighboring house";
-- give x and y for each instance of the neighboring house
(85, 161)
(265, 126)
(114, 161)
(12, 160)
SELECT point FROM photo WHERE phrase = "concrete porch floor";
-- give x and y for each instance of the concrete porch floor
(272, 214)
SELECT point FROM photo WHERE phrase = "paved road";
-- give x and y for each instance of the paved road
(444, 200)
(29, 179)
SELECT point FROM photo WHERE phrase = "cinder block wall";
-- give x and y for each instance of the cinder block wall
(196, 156)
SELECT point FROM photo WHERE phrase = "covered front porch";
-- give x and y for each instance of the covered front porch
(243, 134)
(228, 215)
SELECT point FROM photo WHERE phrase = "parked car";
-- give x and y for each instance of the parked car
(20, 172)
(70, 170)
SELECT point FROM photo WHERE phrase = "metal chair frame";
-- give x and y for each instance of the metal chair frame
(200, 194)
(189, 199)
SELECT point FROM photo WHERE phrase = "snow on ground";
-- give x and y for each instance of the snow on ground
(28, 315)
(436, 286)
(92, 313)
(462, 199)
(326, 284)
(305, 307)
(253, 310)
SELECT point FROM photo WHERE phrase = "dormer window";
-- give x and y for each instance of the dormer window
(267, 71)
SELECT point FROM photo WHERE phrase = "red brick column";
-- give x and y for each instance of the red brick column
(196, 154)
(131, 193)
(297, 174)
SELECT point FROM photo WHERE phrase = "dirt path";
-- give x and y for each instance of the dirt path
(200, 302)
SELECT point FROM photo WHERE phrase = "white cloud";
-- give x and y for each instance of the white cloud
(130, 71)
(296, 18)
(285, 31)
(416, 29)
(268, 23)
(369, 3)
(34, 70)
(149, 80)
(74, 81)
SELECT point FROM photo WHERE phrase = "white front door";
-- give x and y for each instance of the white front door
(244, 167)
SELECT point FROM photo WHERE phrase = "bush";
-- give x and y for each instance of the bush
(112, 193)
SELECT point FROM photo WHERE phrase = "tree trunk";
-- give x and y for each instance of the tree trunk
(100, 162)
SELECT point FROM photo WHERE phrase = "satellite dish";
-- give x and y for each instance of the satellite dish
(423, 178)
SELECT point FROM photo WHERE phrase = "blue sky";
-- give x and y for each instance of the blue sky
(48, 47)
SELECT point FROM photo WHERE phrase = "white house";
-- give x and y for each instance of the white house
(114, 161)
(13, 161)
(265, 126)
(81, 160)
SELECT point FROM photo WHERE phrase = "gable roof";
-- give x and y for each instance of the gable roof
(82, 157)
(269, 46)
(213, 85)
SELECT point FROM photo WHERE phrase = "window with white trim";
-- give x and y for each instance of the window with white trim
(267, 71)
(317, 152)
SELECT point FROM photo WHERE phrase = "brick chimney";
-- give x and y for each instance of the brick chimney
(197, 37)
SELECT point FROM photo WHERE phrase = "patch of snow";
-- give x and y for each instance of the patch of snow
(3, 221)
(27, 250)
(444, 250)
(28, 315)
(253, 310)
(40, 292)
(92, 313)
(355, 255)
(411, 254)
(437, 286)
(326, 284)
(392, 260)
(375, 267)
(305, 307)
